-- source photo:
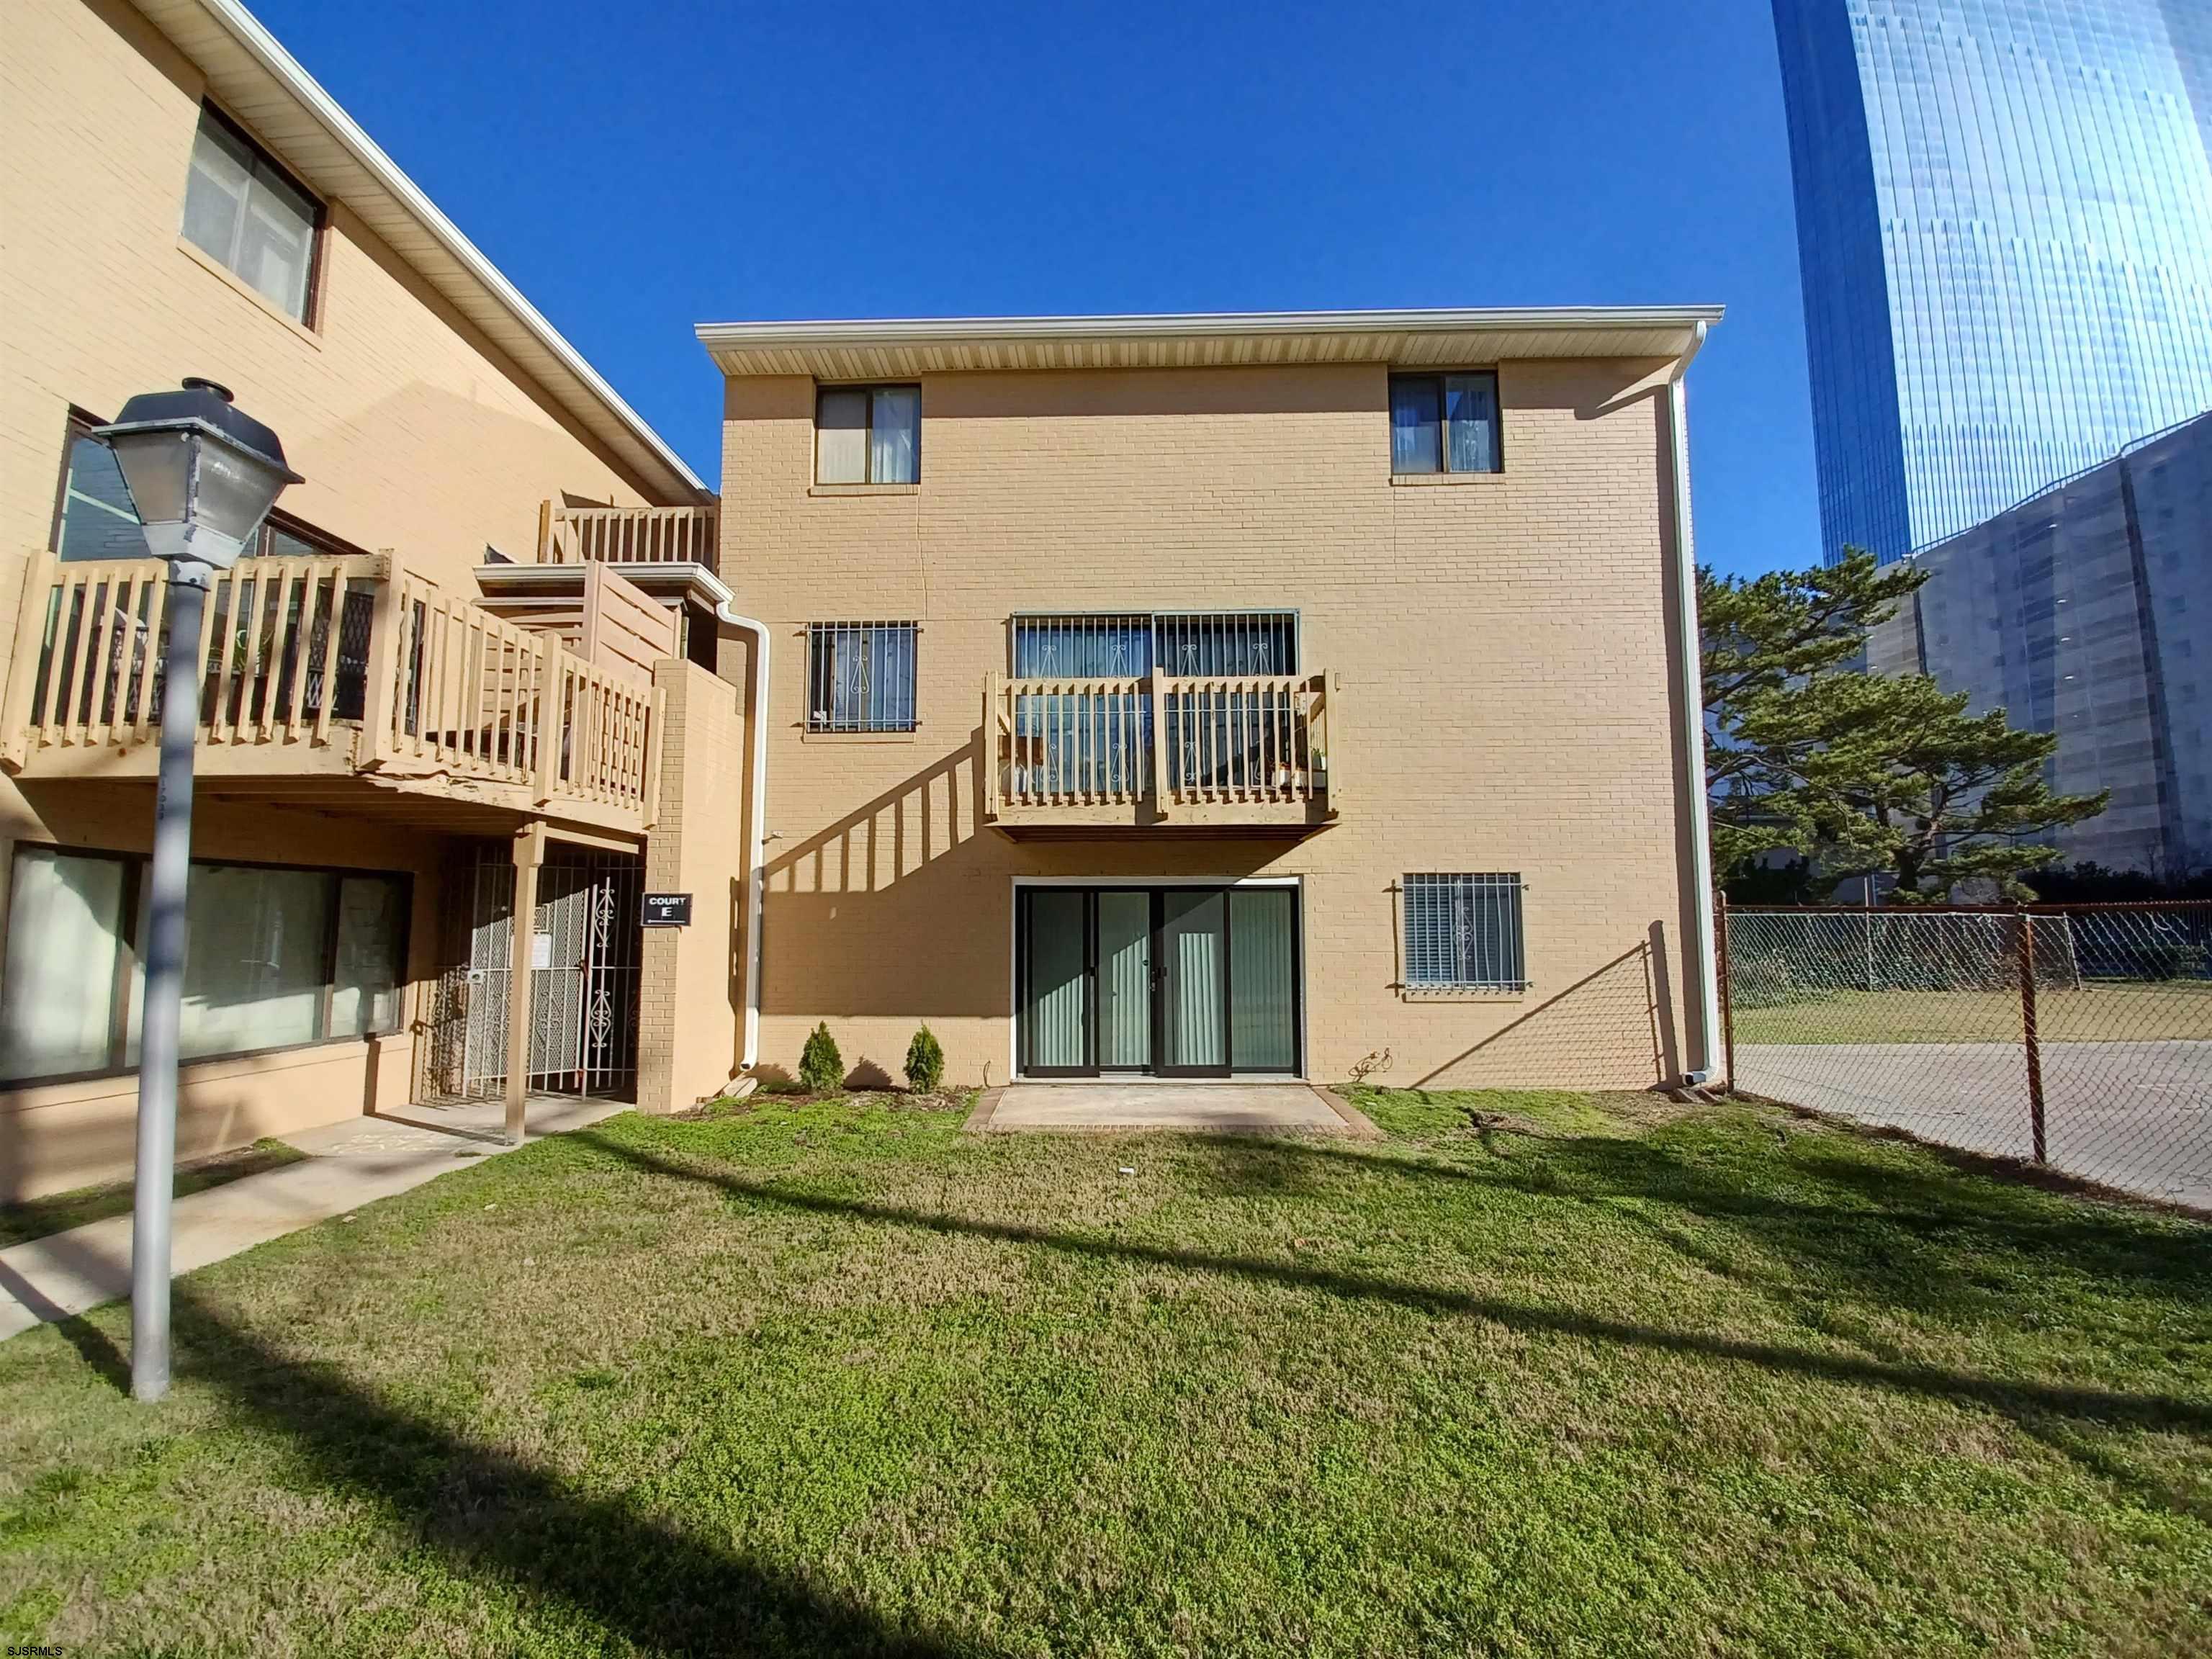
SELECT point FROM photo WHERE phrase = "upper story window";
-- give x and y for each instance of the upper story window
(861, 676)
(254, 218)
(1444, 424)
(867, 434)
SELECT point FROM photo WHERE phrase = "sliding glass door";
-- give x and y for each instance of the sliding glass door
(1056, 977)
(1263, 993)
(1176, 982)
(1125, 979)
(1193, 982)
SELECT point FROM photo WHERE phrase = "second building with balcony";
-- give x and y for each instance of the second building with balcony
(1294, 694)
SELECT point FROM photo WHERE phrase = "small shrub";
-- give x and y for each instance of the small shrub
(925, 1062)
(821, 1067)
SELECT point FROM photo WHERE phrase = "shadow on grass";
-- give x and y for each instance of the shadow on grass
(2010, 1395)
(635, 1576)
(1896, 1233)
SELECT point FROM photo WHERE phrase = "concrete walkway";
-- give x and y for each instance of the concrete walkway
(1207, 1108)
(348, 1165)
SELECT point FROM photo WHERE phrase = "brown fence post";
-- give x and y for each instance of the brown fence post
(2028, 1036)
(1727, 992)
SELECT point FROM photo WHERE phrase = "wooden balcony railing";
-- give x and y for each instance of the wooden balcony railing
(284, 642)
(327, 665)
(627, 535)
(1223, 749)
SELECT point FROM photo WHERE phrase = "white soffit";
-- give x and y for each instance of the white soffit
(867, 349)
(255, 79)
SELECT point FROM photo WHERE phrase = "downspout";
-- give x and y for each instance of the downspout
(756, 877)
(1694, 718)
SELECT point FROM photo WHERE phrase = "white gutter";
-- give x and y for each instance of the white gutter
(1694, 721)
(1185, 325)
(756, 877)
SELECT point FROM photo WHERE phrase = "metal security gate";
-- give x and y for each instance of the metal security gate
(586, 952)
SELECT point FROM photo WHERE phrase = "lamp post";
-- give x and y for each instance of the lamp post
(203, 477)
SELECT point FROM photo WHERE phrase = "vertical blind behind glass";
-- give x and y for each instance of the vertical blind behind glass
(1464, 931)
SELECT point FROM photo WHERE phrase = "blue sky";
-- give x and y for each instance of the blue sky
(636, 169)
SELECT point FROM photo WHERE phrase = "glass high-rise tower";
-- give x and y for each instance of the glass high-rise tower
(2004, 225)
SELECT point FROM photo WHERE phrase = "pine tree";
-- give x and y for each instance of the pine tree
(1862, 773)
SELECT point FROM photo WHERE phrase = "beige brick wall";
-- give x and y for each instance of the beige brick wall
(1508, 695)
(690, 1028)
(415, 434)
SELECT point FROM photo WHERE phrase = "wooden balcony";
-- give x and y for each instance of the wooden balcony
(629, 535)
(1229, 754)
(336, 682)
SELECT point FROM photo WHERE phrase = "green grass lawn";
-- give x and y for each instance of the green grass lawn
(36, 1217)
(1537, 1375)
(2109, 1011)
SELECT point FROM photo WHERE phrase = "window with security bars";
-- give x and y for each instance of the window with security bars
(1103, 741)
(861, 676)
(1093, 646)
(1463, 932)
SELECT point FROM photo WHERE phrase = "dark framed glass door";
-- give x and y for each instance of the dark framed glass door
(1172, 981)
(1054, 953)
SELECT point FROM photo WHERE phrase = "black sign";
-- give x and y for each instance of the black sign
(668, 909)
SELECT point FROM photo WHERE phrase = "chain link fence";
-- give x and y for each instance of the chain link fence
(2076, 1036)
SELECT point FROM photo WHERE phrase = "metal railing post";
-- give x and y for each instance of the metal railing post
(1159, 744)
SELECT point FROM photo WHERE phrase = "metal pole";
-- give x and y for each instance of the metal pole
(165, 970)
(1727, 987)
(1866, 892)
(2029, 1036)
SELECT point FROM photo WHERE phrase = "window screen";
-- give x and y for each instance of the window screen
(1463, 932)
(861, 676)
(243, 210)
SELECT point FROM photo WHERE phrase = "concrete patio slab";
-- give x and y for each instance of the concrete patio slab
(1228, 1108)
(348, 1163)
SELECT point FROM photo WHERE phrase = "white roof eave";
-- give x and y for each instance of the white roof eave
(1205, 340)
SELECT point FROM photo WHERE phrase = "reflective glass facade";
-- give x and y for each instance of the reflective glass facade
(2004, 220)
(2084, 610)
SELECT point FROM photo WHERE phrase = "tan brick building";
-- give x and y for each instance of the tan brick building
(1299, 695)
(1287, 692)
(180, 199)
